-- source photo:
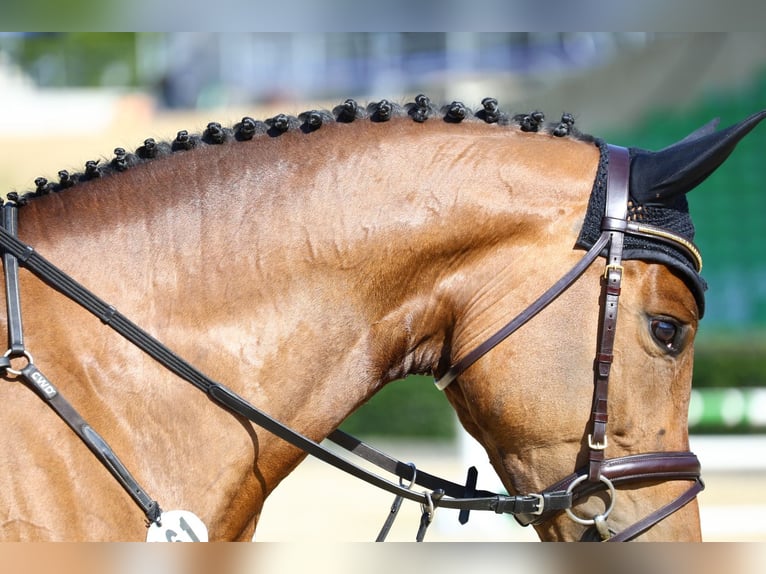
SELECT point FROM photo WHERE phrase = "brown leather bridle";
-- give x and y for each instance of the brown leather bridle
(528, 508)
(604, 473)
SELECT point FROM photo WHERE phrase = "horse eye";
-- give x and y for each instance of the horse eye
(666, 333)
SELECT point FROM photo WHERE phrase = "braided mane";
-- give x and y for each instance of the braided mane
(421, 110)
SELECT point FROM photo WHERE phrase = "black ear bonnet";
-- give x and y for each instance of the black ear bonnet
(659, 182)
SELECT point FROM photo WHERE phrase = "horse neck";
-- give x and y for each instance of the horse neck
(309, 270)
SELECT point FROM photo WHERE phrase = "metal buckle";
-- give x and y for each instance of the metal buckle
(540, 504)
(611, 266)
(597, 445)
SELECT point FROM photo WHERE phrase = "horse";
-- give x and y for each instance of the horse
(307, 261)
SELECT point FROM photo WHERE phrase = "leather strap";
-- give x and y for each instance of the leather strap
(406, 471)
(38, 382)
(498, 503)
(12, 298)
(626, 470)
(660, 514)
(614, 225)
(514, 324)
(653, 466)
(35, 379)
(397, 504)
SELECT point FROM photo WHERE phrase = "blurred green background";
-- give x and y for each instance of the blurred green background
(637, 89)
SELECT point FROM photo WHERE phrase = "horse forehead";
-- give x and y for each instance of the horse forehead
(657, 289)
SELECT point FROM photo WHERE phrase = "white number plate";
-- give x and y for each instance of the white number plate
(178, 526)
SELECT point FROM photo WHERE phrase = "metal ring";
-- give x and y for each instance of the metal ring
(603, 515)
(24, 354)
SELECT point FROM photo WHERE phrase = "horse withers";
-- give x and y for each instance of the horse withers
(304, 262)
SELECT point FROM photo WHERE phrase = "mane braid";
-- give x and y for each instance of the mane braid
(419, 111)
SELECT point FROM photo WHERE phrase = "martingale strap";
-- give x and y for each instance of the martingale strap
(10, 223)
(37, 381)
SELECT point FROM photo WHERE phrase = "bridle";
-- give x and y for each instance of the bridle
(528, 508)
(601, 472)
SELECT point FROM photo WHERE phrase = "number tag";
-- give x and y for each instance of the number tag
(178, 526)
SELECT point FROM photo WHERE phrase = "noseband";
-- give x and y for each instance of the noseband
(602, 473)
(528, 508)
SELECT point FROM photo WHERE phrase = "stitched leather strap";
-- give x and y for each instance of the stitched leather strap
(614, 225)
(660, 514)
(657, 466)
(483, 501)
(35, 379)
(13, 303)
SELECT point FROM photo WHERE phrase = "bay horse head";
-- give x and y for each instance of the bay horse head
(306, 262)
(546, 373)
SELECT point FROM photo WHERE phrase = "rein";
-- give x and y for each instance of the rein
(528, 508)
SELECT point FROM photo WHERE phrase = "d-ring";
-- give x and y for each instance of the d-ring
(603, 515)
(25, 354)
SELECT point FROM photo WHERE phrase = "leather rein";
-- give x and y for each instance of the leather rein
(601, 473)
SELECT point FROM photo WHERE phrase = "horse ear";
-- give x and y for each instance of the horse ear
(657, 177)
(705, 130)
